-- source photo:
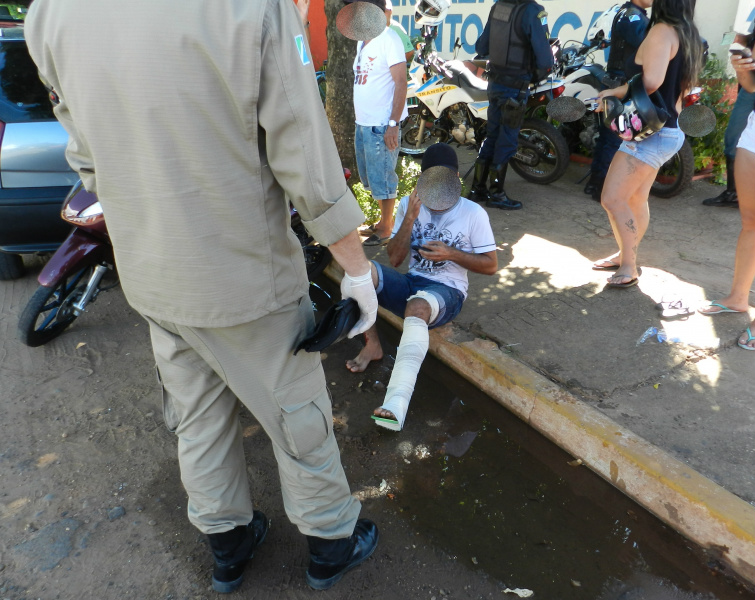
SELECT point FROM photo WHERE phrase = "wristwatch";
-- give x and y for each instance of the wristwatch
(392, 123)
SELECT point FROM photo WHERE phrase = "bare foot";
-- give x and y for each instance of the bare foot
(384, 414)
(607, 264)
(363, 359)
(745, 341)
(622, 280)
(725, 305)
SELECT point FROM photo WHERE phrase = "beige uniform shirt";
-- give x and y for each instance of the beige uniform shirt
(195, 122)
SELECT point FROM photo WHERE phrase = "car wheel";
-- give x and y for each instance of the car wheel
(11, 266)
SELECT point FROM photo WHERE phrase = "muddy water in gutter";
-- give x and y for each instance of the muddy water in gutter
(496, 495)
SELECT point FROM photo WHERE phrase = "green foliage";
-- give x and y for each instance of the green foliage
(710, 149)
(408, 171)
(14, 10)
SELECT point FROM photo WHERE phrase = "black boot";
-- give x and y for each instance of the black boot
(498, 197)
(479, 191)
(330, 559)
(594, 186)
(729, 196)
(232, 551)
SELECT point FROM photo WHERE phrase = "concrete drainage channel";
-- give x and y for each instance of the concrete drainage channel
(722, 524)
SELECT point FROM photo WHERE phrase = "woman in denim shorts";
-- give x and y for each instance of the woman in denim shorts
(744, 262)
(670, 59)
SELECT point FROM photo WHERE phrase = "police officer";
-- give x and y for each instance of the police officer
(197, 198)
(627, 32)
(515, 40)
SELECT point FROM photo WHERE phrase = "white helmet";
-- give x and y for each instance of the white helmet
(602, 25)
(431, 12)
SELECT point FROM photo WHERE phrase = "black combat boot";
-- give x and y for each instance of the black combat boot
(330, 559)
(498, 197)
(479, 191)
(729, 196)
(232, 551)
(594, 186)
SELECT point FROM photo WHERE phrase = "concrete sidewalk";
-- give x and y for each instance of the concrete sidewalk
(670, 424)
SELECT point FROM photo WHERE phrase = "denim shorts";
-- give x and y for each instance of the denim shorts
(375, 163)
(747, 139)
(658, 148)
(394, 289)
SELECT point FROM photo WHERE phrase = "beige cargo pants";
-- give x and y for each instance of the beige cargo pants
(205, 372)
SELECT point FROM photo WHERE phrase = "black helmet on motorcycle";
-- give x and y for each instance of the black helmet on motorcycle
(638, 116)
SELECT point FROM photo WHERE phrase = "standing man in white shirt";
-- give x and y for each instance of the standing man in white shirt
(379, 107)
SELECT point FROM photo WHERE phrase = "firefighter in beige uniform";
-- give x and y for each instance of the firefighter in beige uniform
(195, 127)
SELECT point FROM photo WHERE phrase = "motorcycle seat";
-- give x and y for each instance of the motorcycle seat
(468, 81)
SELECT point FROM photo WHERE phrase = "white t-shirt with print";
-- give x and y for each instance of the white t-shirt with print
(465, 227)
(373, 83)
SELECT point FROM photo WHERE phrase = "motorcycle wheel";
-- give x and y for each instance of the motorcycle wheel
(50, 310)
(410, 135)
(543, 154)
(316, 258)
(676, 174)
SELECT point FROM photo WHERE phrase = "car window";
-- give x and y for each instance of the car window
(22, 95)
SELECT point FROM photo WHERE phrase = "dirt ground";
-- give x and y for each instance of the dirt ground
(91, 504)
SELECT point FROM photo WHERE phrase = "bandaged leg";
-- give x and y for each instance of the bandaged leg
(431, 300)
(411, 352)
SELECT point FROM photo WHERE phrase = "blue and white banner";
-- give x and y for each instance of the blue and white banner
(567, 20)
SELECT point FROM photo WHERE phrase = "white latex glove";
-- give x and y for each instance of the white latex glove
(362, 290)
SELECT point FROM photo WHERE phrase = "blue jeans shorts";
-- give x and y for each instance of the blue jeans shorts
(657, 149)
(375, 163)
(394, 289)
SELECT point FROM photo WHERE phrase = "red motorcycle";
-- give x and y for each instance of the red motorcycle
(84, 266)
(74, 276)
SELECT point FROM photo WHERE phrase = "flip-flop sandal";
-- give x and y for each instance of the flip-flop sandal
(673, 309)
(627, 284)
(367, 230)
(393, 424)
(721, 307)
(612, 267)
(375, 240)
(750, 338)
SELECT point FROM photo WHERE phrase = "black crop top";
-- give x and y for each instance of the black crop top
(670, 89)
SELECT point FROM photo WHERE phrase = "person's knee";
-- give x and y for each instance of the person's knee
(423, 305)
(610, 199)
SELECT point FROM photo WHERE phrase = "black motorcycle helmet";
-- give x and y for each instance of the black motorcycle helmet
(638, 116)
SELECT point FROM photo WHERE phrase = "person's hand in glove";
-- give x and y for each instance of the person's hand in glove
(361, 289)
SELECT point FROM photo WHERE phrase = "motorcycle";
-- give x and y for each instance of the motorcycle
(84, 266)
(449, 102)
(75, 274)
(584, 78)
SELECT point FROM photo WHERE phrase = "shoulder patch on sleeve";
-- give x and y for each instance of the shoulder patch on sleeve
(543, 17)
(634, 18)
(301, 47)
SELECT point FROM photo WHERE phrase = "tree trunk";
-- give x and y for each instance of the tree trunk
(339, 101)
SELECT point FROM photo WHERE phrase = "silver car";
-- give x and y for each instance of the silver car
(34, 174)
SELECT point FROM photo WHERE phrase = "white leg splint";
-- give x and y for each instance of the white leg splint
(411, 352)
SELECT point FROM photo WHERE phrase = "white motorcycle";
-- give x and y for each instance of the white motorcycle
(448, 102)
(584, 78)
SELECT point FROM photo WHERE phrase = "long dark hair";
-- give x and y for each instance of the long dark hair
(680, 15)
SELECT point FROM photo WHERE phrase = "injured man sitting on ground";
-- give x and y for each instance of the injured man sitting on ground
(446, 236)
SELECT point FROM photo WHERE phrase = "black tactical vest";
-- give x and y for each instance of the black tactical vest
(620, 49)
(511, 53)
